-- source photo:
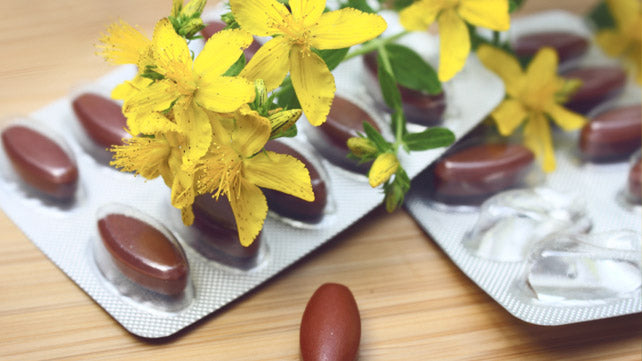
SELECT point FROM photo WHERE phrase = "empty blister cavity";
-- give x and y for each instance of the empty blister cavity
(512, 222)
(295, 211)
(41, 164)
(141, 259)
(569, 268)
(99, 124)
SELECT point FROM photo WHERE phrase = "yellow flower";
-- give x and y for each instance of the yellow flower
(626, 38)
(382, 169)
(236, 167)
(296, 34)
(188, 88)
(160, 155)
(123, 44)
(533, 97)
(454, 44)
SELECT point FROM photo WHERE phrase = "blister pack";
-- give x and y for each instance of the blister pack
(59, 189)
(558, 248)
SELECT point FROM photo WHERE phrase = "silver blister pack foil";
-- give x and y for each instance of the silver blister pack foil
(68, 234)
(566, 249)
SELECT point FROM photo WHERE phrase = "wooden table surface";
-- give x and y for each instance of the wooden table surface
(415, 304)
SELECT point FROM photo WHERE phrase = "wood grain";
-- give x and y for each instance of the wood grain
(415, 304)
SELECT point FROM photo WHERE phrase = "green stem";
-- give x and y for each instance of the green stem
(375, 44)
(398, 111)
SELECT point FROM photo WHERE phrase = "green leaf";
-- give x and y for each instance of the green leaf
(332, 57)
(514, 5)
(286, 97)
(388, 85)
(374, 135)
(429, 139)
(359, 5)
(236, 68)
(411, 70)
(400, 4)
(601, 16)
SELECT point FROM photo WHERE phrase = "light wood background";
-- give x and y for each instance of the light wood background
(415, 304)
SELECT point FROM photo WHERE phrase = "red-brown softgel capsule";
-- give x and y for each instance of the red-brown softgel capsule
(144, 254)
(419, 108)
(599, 84)
(40, 162)
(218, 237)
(331, 325)
(344, 121)
(568, 46)
(635, 182)
(214, 27)
(612, 135)
(101, 118)
(479, 171)
(291, 206)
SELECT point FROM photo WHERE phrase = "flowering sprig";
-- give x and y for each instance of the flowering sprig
(201, 123)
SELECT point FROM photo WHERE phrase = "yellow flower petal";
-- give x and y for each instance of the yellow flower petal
(313, 84)
(491, 14)
(221, 51)
(504, 65)
(145, 156)
(565, 118)
(195, 125)
(250, 209)
(157, 97)
(537, 137)
(625, 12)
(260, 17)
(127, 89)
(542, 82)
(183, 189)
(344, 28)
(251, 133)
(308, 10)
(187, 215)
(270, 63)
(223, 94)
(508, 116)
(454, 44)
(151, 123)
(280, 172)
(382, 169)
(419, 15)
(122, 44)
(612, 42)
(171, 54)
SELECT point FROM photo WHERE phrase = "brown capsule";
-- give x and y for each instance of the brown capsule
(218, 237)
(612, 135)
(41, 162)
(144, 254)
(419, 108)
(214, 27)
(331, 326)
(568, 46)
(599, 84)
(470, 174)
(344, 121)
(293, 207)
(635, 182)
(101, 118)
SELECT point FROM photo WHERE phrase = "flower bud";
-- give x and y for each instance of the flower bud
(362, 147)
(382, 169)
(283, 120)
